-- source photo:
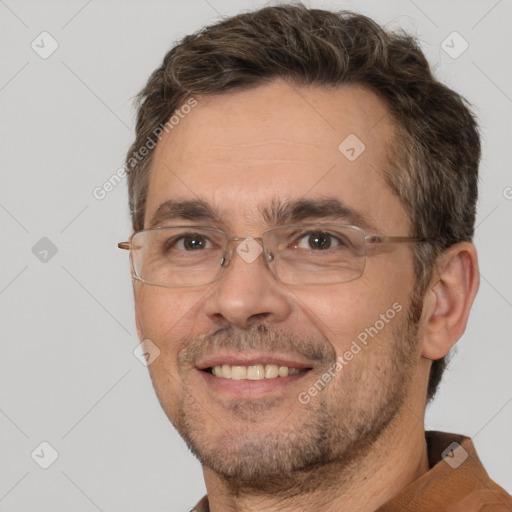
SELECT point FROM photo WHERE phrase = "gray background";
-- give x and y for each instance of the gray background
(68, 375)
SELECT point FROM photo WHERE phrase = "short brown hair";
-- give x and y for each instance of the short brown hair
(433, 167)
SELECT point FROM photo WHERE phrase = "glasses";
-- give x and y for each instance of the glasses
(183, 256)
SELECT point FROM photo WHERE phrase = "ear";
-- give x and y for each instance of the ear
(449, 298)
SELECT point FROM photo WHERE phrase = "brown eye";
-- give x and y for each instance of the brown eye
(194, 242)
(188, 242)
(317, 241)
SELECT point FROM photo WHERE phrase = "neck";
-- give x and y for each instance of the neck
(397, 458)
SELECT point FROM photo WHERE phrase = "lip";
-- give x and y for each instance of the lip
(249, 389)
(251, 358)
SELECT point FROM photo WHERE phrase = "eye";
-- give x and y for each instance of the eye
(318, 240)
(189, 242)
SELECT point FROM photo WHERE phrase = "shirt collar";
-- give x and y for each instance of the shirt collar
(456, 481)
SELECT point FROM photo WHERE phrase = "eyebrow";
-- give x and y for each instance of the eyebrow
(278, 212)
(326, 209)
(192, 210)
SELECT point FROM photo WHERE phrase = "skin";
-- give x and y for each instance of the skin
(353, 446)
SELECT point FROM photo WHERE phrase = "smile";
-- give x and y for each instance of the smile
(253, 372)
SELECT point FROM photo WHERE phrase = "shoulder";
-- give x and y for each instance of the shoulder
(455, 460)
(484, 500)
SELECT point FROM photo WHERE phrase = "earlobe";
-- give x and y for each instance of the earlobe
(449, 298)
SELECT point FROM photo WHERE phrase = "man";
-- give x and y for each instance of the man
(302, 263)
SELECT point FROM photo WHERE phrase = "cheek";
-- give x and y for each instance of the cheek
(166, 317)
(361, 310)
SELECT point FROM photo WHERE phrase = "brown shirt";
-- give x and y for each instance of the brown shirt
(456, 482)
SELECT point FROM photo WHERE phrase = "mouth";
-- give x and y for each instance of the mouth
(251, 374)
(254, 371)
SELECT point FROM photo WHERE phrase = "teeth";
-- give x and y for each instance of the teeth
(256, 372)
(253, 372)
(271, 371)
(283, 371)
(238, 372)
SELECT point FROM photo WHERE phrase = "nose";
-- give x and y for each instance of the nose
(247, 292)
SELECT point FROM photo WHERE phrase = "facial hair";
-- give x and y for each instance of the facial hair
(337, 427)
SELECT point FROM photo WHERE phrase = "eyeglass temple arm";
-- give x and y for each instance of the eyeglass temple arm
(375, 239)
(124, 245)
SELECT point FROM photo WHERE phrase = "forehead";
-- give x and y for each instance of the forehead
(242, 151)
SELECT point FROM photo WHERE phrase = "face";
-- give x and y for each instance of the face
(349, 349)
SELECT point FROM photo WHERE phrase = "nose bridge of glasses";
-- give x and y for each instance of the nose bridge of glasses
(248, 249)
